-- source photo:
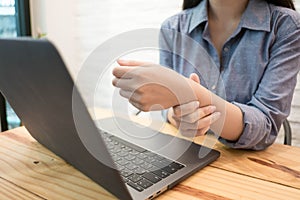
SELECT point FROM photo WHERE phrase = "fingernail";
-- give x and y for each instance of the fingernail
(213, 109)
(217, 115)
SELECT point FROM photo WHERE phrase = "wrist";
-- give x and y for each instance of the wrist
(203, 95)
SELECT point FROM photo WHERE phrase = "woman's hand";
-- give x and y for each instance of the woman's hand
(191, 119)
(152, 87)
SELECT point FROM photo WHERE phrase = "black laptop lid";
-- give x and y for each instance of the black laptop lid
(35, 81)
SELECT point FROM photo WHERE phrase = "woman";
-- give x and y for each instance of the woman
(252, 48)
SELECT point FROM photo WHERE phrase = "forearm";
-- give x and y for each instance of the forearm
(230, 125)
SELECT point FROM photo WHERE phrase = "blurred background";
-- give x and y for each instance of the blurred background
(77, 27)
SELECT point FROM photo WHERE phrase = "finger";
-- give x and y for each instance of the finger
(202, 132)
(188, 133)
(207, 121)
(188, 126)
(198, 114)
(124, 84)
(185, 109)
(200, 124)
(126, 94)
(132, 63)
(138, 105)
(195, 77)
(123, 72)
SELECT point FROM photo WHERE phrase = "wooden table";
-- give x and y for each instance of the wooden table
(30, 171)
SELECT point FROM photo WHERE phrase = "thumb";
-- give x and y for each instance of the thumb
(195, 77)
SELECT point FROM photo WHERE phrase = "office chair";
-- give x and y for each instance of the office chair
(3, 116)
(287, 132)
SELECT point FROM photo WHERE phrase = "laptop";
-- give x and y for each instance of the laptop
(139, 163)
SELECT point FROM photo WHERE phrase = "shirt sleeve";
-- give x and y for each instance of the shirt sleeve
(166, 45)
(271, 103)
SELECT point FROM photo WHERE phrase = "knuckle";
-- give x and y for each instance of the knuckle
(176, 111)
(121, 92)
(143, 101)
(114, 71)
(201, 113)
(189, 118)
(183, 126)
(142, 107)
(195, 117)
(115, 82)
(201, 132)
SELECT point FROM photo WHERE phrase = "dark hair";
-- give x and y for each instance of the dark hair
(284, 3)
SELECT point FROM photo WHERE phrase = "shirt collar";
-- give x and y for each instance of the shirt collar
(199, 15)
(256, 16)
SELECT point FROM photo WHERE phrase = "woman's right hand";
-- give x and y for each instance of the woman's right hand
(191, 119)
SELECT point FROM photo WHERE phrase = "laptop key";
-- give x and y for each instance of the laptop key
(176, 165)
(142, 156)
(135, 178)
(159, 164)
(139, 171)
(149, 154)
(128, 149)
(131, 166)
(122, 162)
(158, 157)
(125, 173)
(134, 152)
(123, 153)
(146, 166)
(161, 173)
(135, 186)
(149, 159)
(125, 180)
(133, 146)
(144, 183)
(115, 150)
(137, 161)
(152, 177)
(170, 169)
(130, 157)
(120, 167)
(115, 157)
(166, 162)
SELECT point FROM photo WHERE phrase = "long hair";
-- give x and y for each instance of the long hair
(284, 3)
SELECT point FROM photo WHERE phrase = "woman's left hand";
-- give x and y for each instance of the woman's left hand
(152, 87)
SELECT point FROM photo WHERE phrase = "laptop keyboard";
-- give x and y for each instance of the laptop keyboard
(139, 167)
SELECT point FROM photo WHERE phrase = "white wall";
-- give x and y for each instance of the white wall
(57, 19)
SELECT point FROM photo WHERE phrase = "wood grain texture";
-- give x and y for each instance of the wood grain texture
(28, 169)
(26, 163)
(279, 163)
(218, 184)
(9, 190)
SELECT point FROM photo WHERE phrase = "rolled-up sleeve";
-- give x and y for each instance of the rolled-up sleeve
(271, 103)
